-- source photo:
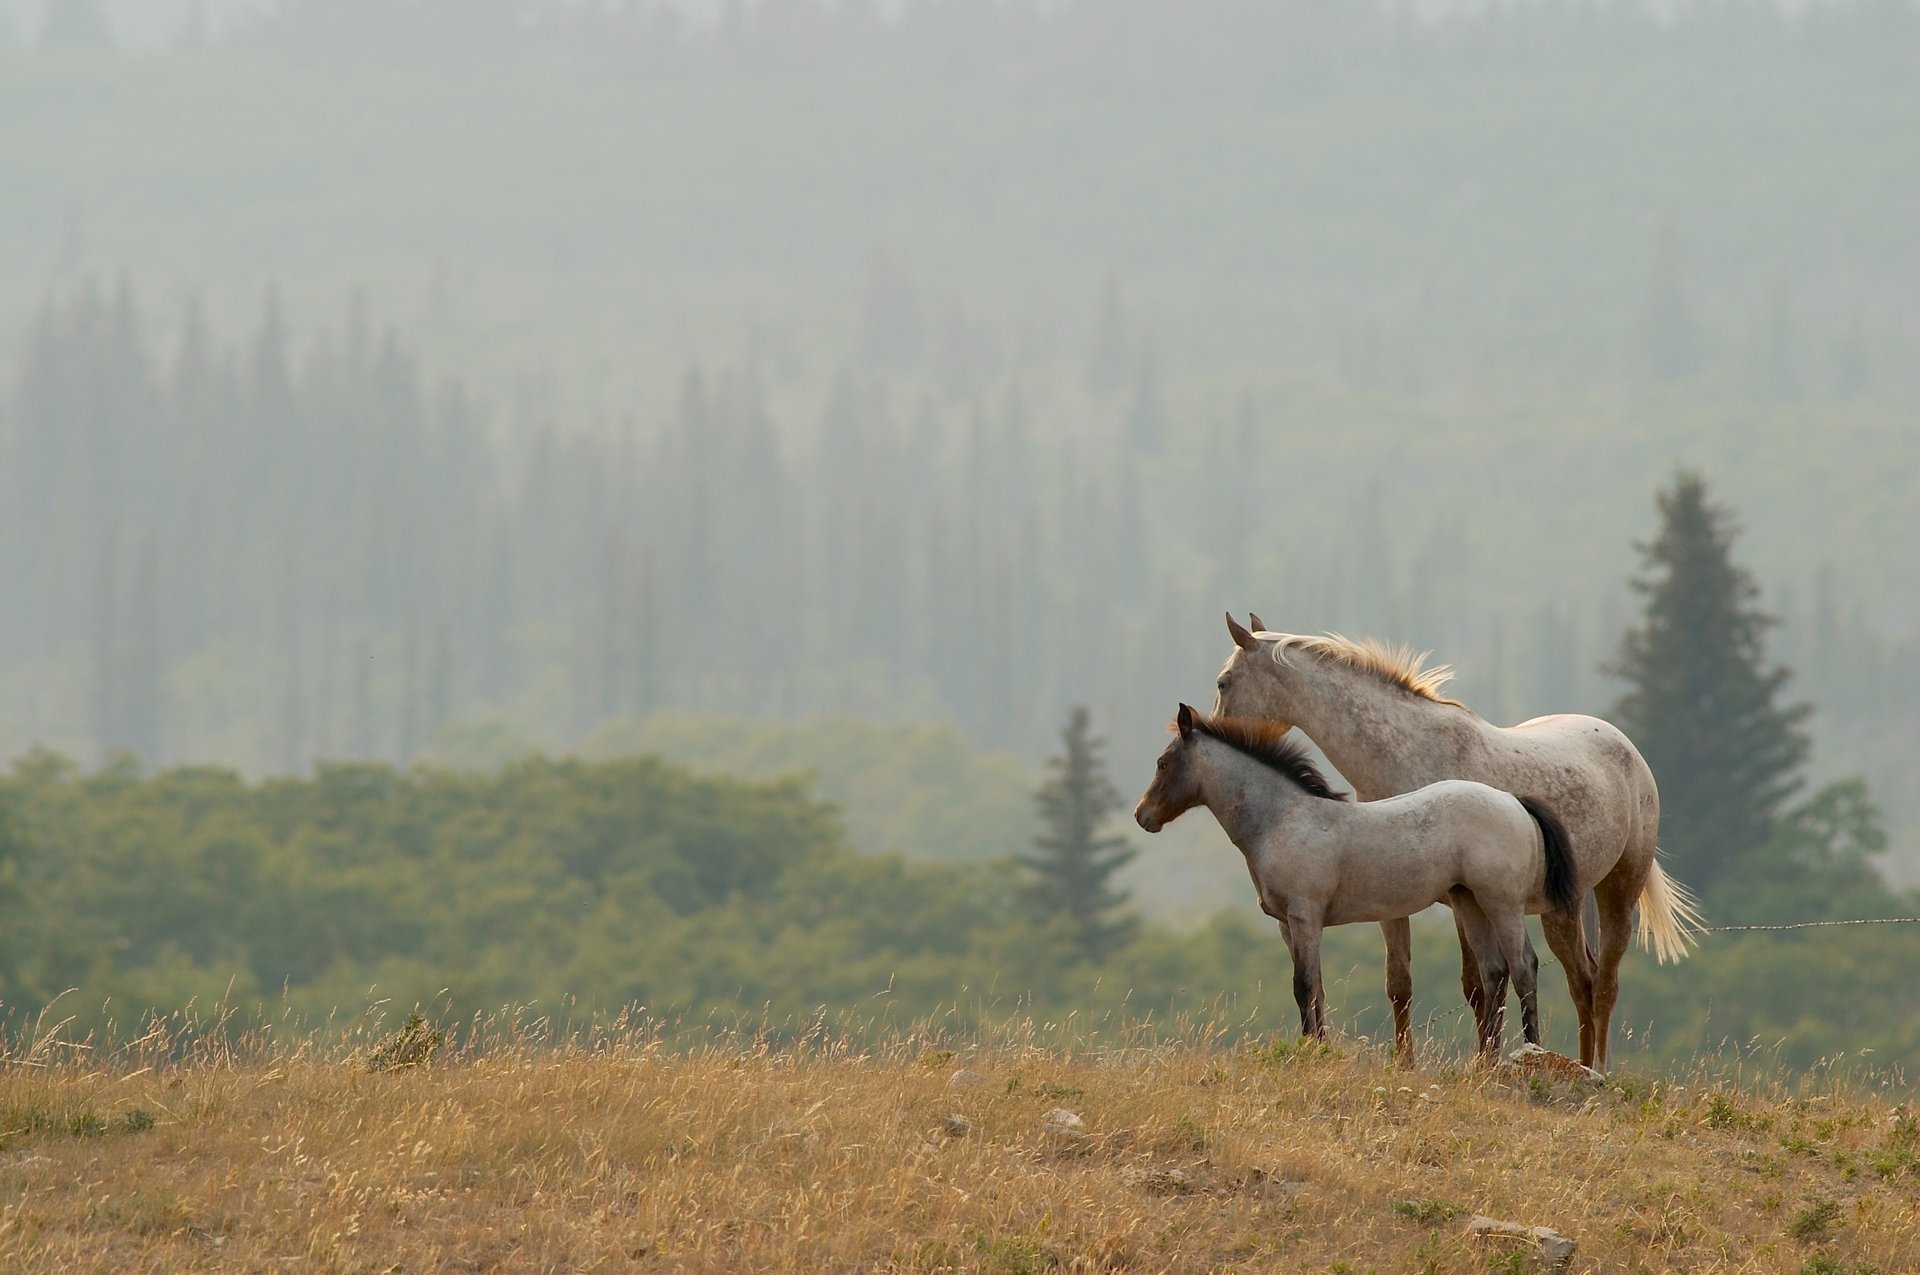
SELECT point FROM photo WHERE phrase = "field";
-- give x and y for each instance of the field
(619, 1149)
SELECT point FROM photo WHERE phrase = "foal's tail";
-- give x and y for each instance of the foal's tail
(1563, 886)
(1669, 916)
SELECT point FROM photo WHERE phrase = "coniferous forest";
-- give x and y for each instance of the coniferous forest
(395, 399)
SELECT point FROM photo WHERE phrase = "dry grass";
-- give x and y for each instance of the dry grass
(616, 1152)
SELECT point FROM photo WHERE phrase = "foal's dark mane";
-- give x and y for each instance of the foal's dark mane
(1271, 747)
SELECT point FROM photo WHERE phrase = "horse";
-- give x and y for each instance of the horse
(1377, 714)
(1318, 858)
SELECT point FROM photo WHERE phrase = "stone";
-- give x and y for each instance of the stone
(1532, 1060)
(1553, 1249)
(956, 1125)
(1064, 1121)
(1161, 1181)
(963, 1078)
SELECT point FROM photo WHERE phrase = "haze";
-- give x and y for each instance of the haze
(432, 381)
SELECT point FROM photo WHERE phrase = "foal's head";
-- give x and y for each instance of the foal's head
(1184, 772)
(1176, 784)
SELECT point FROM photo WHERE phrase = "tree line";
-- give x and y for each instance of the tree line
(268, 555)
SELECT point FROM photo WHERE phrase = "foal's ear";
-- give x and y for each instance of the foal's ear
(1259, 625)
(1241, 638)
(1184, 720)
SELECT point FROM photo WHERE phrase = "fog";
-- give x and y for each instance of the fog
(376, 379)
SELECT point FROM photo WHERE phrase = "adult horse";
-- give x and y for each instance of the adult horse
(1318, 859)
(1377, 713)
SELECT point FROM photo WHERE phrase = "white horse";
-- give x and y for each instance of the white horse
(1318, 859)
(1377, 713)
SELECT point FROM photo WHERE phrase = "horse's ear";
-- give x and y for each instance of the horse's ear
(1241, 638)
(1259, 625)
(1184, 720)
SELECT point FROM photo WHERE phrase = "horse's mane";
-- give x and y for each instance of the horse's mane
(1390, 662)
(1270, 745)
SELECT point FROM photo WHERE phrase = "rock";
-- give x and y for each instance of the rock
(1553, 1249)
(963, 1077)
(1257, 1181)
(1067, 1130)
(956, 1125)
(1161, 1181)
(1063, 1121)
(1532, 1060)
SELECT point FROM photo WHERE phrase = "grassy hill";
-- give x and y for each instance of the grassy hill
(618, 1150)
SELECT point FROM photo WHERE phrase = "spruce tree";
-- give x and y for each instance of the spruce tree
(1701, 703)
(1070, 872)
(1671, 332)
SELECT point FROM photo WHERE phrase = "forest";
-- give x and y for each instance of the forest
(456, 536)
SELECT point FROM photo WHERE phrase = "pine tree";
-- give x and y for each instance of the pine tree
(1107, 361)
(1701, 703)
(1671, 332)
(1146, 417)
(1072, 866)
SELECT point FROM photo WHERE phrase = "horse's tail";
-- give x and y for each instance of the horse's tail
(1669, 916)
(1563, 885)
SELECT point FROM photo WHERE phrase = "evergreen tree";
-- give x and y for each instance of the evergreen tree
(1146, 417)
(143, 683)
(1107, 361)
(1071, 869)
(1700, 701)
(1671, 332)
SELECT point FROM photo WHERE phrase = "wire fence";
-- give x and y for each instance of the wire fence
(1811, 925)
(1440, 1016)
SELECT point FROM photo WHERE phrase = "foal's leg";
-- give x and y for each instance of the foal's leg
(1303, 941)
(1470, 976)
(1478, 930)
(1399, 937)
(1510, 930)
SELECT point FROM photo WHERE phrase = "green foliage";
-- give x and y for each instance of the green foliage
(1070, 871)
(613, 882)
(1828, 1264)
(414, 1045)
(1815, 1222)
(1427, 1212)
(1818, 864)
(1015, 1255)
(585, 887)
(914, 788)
(69, 1122)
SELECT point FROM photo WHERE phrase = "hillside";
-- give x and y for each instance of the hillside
(616, 1151)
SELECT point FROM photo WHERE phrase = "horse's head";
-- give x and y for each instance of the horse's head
(1250, 685)
(1176, 787)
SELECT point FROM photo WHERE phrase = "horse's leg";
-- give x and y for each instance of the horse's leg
(1478, 931)
(1399, 937)
(1569, 942)
(1303, 941)
(1616, 894)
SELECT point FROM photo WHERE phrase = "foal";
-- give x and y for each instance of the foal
(1319, 859)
